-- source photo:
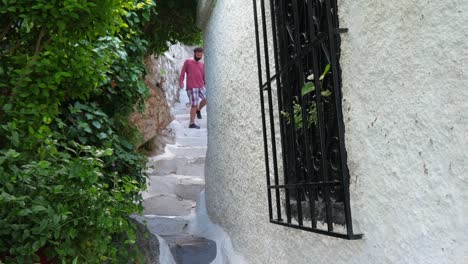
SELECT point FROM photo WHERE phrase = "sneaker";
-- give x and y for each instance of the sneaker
(194, 126)
(199, 115)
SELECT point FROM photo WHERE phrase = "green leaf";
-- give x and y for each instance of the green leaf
(96, 124)
(7, 107)
(325, 71)
(87, 129)
(43, 226)
(43, 164)
(102, 135)
(26, 234)
(93, 178)
(47, 120)
(36, 246)
(38, 208)
(307, 88)
(11, 153)
(326, 93)
(15, 139)
(24, 212)
(61, 26)
(56, 219)
(57, 189)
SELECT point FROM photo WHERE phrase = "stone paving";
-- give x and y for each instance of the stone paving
(176, 179)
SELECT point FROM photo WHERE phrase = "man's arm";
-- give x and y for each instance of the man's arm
(182, 75)
(204, 81)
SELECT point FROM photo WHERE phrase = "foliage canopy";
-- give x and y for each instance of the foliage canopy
(69, 171)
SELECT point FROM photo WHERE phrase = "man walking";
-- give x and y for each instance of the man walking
(195, 71)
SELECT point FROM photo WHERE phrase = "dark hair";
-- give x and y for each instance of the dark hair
(198, 49)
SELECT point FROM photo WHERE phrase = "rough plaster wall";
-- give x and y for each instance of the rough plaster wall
(405, 88)
(405, 109)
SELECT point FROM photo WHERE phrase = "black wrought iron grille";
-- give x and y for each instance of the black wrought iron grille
(298, 48)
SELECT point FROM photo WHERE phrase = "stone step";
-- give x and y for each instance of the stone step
(163, 225)
(160, 185)
(176, 179)
(201, 123)
(182, 118)
(186, 141)
(147, 242)
(194, 166)
(182, 128)
(188, 249)
(164, 204)
(184, 248)
(186, 115)
(189, 189)
(186, 151)
(185, 187)
(191, 132)
(183, 109)
(180, 109)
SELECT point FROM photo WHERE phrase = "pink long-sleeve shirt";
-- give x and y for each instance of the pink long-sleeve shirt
(195, 71)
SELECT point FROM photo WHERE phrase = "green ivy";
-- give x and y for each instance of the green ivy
(71, 73)
(63, 204)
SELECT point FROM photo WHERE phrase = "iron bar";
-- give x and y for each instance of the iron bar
(319, 231)
(338, 96)
(262, 103)
(279, 95)
(312, 184)
(305, 37)
(316, 72)
(323, 150)
(270, 100)
(300, 83)
(287, 66)
(289, 131)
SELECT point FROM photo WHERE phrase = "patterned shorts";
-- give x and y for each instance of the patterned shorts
(195, 95)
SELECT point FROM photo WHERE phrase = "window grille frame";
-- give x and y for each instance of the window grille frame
(320, 35)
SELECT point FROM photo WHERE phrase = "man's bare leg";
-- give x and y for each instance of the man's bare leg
(202, 104)
(193, 112)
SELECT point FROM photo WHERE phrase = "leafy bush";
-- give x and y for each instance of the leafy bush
(63, 204)
(71, 72)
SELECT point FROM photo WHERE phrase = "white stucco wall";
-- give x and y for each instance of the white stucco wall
(405, 88)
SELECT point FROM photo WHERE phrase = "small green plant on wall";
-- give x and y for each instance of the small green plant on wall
(307, 88)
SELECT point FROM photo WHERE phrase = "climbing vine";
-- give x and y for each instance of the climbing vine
(71, 72)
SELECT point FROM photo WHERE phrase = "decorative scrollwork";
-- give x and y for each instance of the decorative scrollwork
(315, 190)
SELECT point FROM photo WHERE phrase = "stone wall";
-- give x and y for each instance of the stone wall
(162, 82)
(406, 115)
(171, 63)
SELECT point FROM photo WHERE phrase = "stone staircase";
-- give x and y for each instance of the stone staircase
(176, 179)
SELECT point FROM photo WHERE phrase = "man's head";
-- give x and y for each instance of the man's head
(198, 53)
